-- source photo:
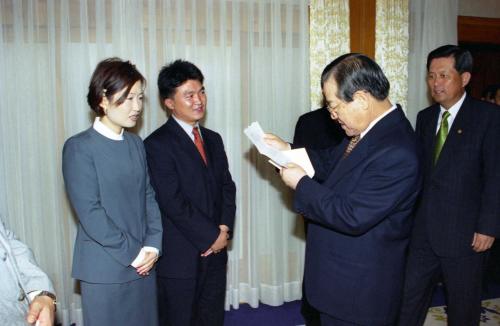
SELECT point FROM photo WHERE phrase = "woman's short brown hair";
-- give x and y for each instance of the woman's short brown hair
(110, 77)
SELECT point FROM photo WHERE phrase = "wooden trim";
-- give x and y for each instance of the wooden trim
(362, 26)
(478, 30)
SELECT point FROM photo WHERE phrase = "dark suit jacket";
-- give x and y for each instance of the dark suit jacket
(355, 253)
(317, 130)
(461, 194)
(194, 198)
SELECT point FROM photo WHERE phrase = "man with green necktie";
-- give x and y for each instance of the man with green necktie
(458, 213)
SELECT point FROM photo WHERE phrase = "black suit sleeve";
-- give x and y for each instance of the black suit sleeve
(304, 137)
(228, 187)
(300, 134)
(489, 216)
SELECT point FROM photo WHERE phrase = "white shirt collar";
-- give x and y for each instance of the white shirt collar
(374, 122)
(187, 127)
(453, 110)
(105, 131)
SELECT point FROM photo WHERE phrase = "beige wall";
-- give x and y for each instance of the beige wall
(479, 8)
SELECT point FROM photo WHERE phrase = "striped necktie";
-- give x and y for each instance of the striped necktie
(352, 143)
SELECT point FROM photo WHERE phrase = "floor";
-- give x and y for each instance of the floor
(289, 313)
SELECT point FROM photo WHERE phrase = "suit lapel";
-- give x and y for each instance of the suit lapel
(460, 125)
(344, 165)
(362, 149)
(429, 136)
(208, 144)
(209, 168)
(338, 153)
(185, 142)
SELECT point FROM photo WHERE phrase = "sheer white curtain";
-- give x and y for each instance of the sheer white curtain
(254, 55)
(432, 23)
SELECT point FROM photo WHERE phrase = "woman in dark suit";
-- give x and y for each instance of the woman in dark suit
(119, 225)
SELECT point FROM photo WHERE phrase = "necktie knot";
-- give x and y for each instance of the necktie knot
(445, 116)
(198, 142)
(196, 133)
(352, 143)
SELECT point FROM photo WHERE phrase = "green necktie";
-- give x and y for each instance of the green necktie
(441, 135)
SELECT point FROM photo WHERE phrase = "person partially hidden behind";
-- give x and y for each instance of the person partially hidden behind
(195, 191)
(26, 292)
(315, 130)
(491, 94)
(362, 212)
(458, 213)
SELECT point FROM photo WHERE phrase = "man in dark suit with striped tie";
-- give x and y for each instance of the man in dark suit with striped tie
(361, 212)
(196, 194)
(458, 215)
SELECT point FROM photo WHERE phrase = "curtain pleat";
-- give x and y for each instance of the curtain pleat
(431, 24)
(254, 55)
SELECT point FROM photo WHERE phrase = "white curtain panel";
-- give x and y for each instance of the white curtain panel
(254, 55)
(432, 24)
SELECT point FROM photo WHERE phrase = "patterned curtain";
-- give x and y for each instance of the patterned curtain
(329, 38)
(391, 46)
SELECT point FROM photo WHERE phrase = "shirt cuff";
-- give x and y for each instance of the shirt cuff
(142, 254)
(224, 228)
(33, 294)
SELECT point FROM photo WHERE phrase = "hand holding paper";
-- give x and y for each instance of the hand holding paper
(276, 142)
(256, 135)
(277, 150)
(291, 175)
(299, 157)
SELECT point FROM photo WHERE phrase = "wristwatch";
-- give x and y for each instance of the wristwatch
(50, 295)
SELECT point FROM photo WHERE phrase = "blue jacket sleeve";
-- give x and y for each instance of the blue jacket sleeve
(372, 194)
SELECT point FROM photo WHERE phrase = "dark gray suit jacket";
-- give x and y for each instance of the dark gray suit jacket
(107, 182)
(461, 193)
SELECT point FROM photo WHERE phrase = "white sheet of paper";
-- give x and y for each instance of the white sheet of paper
(299, 156)
(278, 158)
(255, 133)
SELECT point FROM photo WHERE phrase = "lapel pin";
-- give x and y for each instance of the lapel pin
(459, 131)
